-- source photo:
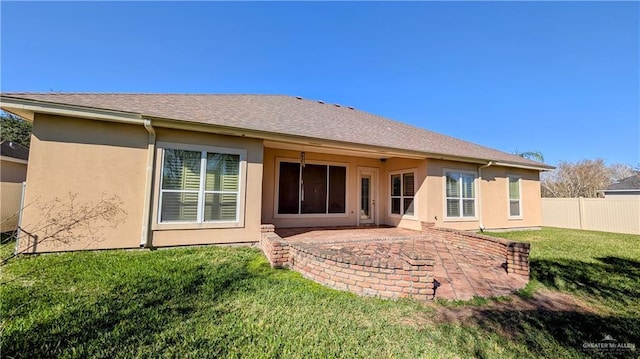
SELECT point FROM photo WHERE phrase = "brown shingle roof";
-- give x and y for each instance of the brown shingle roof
(284, 115)
(14, 150)
(629, 183)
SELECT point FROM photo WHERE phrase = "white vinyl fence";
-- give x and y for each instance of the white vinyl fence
(10, 198)
(595, 214)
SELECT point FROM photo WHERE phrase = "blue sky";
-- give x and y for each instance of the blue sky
(558, 77)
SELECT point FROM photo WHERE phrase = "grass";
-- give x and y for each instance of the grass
(601, 268)
(228, 302)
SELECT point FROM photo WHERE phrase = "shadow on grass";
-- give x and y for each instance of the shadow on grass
(147, 310)
(612, 282)
(572, 330)
(131, 314)
(7, 238)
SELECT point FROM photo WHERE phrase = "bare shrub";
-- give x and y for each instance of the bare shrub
(70, 220)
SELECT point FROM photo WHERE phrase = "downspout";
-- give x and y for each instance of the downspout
(491, 163)
(146, 211)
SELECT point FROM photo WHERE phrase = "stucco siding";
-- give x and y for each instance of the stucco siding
(492, 204)
(79, 162)
(384, 168)
(90, 160)
(75, 163)
(11, 195)
(403, 165)
(13, 172)
(495, 203)
(436, 210)
(269, 187)
(250, 230)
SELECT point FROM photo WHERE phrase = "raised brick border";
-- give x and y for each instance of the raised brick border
(408, 273)
(408, 276)
(515, 254)
(411, 275)
(275, 248)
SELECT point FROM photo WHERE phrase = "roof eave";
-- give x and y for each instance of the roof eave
(313, 141)
(620, 190)
(280, 137)
(24, 107)
(13, 159)
(541, 167)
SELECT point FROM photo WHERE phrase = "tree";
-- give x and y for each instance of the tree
(63, 221)
(582, 179)
(532, 155)
(621, 170)
(13, 128)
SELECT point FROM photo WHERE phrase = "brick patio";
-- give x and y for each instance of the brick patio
(395, 262)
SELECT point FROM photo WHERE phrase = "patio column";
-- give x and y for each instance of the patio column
(421, 269)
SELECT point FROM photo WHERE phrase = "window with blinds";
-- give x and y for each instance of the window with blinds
(514, 197)
(312, 189)
(403, 190)
(460, 194)
(199, 186)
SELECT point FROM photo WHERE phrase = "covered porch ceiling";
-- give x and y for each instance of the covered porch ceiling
(333, 149)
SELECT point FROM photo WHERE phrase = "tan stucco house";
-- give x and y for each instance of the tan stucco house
(628, 187)
(211, 169)
(14, 158)
(13, 172)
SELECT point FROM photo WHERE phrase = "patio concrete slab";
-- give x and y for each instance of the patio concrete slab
(316, 235)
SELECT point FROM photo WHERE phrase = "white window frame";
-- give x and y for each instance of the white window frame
(461, 217)
(200, 222)
(276, 196)
(519, 178)
(414, 171)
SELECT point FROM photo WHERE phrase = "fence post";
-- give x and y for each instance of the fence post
(18, 231)
(581, 211)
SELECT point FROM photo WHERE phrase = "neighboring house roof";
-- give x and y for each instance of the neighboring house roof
(287, 115)
(13, 150)
(626, 184)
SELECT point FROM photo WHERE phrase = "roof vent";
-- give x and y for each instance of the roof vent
(322, 102)
(299, 97)
(336, 104)
(351, 108)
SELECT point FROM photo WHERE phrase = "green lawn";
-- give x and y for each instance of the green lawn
(228, 302)
(601, 268)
